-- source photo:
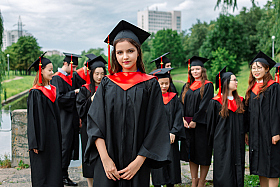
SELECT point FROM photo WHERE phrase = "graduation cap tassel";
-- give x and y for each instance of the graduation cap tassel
(219, 93)
(109, 64)
(161, 63)
(71, 74)
(278, 76)
(189, 63)
(40, 71)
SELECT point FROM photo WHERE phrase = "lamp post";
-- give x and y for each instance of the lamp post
(8, 64)
(273, 38)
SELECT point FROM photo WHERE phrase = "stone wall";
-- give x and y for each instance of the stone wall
(19, 137)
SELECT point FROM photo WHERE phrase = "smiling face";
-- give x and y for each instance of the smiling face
(164, 84)
(127, 54)
(47, 72)
(98, 75)
(196, 72)
(258, 71)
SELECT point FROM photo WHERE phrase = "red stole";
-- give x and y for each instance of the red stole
(231, 103)
(167, 97)
(197, 84)
(64, 77)
(257, 87)
(88, 87)
(126, 80)
(51, 94)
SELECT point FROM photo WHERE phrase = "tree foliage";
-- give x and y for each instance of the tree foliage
(2, 57)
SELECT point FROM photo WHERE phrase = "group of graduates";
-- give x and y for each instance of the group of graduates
(131, 123)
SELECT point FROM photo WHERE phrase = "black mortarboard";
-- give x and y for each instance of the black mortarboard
(162, 58)
(277, 66)
(90, 56)
(96, 62)
(161, 73)
(198, 61)
(73, 57)
(224, 76)
(36, 63)
(261, 57)
(125, 29)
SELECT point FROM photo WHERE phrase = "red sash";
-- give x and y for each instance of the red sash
(257, 87)
(167, 97)
(51, 94)
(197, 84)
(64, 77)
(231, 103)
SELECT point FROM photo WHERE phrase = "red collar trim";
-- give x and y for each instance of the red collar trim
(81, 73)
(257, 87)
(231, 103)
(167, 97)
(64, 77)
(126, 80)
(51, 94)
(96, 88)
(197, 84)
(87, 86)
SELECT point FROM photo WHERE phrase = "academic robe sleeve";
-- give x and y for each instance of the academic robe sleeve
(212, 120)
(156, 144)
(35, 121)
(178, 125)
(65, 98)
(274, 109)
(200, 115)
(83, 102)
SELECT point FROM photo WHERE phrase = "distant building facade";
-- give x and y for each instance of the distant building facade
(154, 20)
(53, 52)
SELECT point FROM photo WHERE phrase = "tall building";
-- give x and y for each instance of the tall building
(154, 20)
(12, 36)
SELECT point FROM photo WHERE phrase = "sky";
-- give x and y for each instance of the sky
(76, 25)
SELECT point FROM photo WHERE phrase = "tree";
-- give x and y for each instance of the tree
(56, 60)
(97, 52)
(231, 3)
(228, 33)
(168, 41)
(24, 52)
(2, 57)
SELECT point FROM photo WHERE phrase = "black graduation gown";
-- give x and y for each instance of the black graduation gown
(227, 136)
(83, 103)
(132, 123)
(264, 124)
(78, 81)
(69, 120)
(43, 130)
(195, 148)
(171, 173)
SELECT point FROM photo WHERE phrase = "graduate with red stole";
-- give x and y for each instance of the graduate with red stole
(226, 132)
(170, 174)
(83, 101)
(43, 127)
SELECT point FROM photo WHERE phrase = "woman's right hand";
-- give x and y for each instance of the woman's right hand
(110, 169)
(186, 125)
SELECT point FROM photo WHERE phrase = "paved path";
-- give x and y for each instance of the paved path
(16, 78)
(11, 177)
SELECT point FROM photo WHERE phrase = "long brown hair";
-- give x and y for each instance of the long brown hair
(203, 79)
(224, 109)
(267, 77)
(116, 67)
(36, 80)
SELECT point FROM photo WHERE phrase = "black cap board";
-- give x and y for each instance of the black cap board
(90, 56)
(74, 58)
(164, 60)
(44, 62)
(96, 62)
(261, 57)
(125, 29)
(224, 76)
(198, 61)
(161, 73)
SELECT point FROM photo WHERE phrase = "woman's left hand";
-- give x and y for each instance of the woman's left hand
(275, 139)
(129, 172)
(172, 138)
(192, 124)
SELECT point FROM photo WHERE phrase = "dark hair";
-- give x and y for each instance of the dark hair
(203, 79)
(224, 109)
(92, 82)
(267, 77)
(116, 67)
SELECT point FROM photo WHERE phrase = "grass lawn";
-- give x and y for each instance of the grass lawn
(16, 86)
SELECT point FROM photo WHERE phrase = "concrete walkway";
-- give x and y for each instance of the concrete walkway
(11, 177)
(16, 78)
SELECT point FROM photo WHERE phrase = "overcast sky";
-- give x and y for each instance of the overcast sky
(76, 25)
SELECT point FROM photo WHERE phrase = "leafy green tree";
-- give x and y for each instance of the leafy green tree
(221, 58)
(168, 41)
(2, 57)
(56, 60)
(228, 33)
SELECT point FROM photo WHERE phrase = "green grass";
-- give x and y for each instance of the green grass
(16, 86)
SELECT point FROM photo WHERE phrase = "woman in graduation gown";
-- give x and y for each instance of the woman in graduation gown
(43, 128)
(263, 101)
(84, 98)
(171, 173)
(126, 122)
(195, 96)
(226, 132)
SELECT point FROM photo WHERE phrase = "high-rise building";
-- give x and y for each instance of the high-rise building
(12, 36)
(154, 20)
